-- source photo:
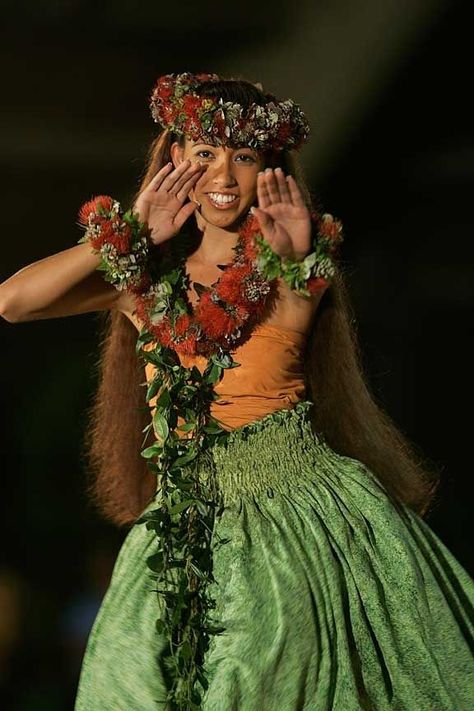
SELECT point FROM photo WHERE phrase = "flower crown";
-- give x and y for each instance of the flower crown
(175, 105)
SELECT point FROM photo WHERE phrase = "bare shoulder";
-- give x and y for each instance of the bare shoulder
(290, 310)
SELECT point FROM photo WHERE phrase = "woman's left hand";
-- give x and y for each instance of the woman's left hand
(283, 217)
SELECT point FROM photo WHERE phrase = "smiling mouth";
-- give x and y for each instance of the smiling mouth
(222, 201)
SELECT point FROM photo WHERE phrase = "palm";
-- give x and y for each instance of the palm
(284, 219)
(162, 204)
(162, 213)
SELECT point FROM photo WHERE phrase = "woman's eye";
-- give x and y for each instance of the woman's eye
(247, 157)
(208, 154)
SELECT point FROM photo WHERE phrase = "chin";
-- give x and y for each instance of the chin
(224, 219)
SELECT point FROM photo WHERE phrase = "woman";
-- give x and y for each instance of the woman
(287, 561)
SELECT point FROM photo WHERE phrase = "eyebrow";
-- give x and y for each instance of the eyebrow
(209, 145)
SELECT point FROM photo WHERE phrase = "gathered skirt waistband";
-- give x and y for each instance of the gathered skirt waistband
(277, 453)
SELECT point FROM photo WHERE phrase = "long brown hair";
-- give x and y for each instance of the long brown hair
(346, 411)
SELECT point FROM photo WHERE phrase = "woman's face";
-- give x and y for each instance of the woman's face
(228, 187)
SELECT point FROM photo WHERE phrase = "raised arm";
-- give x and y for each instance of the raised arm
(63, 284)
(67, 283)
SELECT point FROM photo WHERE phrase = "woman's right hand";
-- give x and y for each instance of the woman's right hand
(162, 203)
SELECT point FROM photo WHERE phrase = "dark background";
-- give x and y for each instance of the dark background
(386, 86)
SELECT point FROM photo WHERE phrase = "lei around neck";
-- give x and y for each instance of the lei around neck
(225, 310)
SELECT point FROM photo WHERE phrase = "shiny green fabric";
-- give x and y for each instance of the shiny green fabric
(333, 596)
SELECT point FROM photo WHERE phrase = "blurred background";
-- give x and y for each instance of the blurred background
(385, 85)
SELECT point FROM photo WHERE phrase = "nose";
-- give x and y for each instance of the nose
(222, 172)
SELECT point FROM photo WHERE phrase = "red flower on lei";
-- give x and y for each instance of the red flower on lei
(105, 229)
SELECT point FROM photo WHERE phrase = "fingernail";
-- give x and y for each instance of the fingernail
(252, 210)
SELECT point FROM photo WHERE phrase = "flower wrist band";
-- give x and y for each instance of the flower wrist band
(121, 240)
(307, 276)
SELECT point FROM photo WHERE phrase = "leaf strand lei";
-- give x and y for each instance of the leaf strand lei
(187, 504)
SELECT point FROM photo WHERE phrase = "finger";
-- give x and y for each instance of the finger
(295, 192)
(265, 222)
(170, 180)
(282, 186)
(262, 192)
(157, 179)
(272, 186)
(184, 213)
(182, 194)
(193, 170)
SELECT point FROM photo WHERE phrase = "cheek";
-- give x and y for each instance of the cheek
(248, 184)
(201, 181)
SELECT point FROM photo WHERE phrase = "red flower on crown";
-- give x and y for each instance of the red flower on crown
(192, 103)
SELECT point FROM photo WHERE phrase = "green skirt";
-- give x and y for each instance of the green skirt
(332, 596)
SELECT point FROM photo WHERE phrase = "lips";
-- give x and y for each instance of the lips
(222, 201)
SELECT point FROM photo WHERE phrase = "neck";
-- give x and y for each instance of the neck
(216, 245)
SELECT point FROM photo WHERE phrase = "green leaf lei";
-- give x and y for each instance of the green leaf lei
(184, 518)
(186, 507)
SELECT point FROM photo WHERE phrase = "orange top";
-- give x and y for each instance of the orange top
(269, 377)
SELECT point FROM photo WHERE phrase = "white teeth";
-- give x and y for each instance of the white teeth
(218, 197)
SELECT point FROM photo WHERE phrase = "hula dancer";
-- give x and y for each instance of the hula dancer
(278, 555)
